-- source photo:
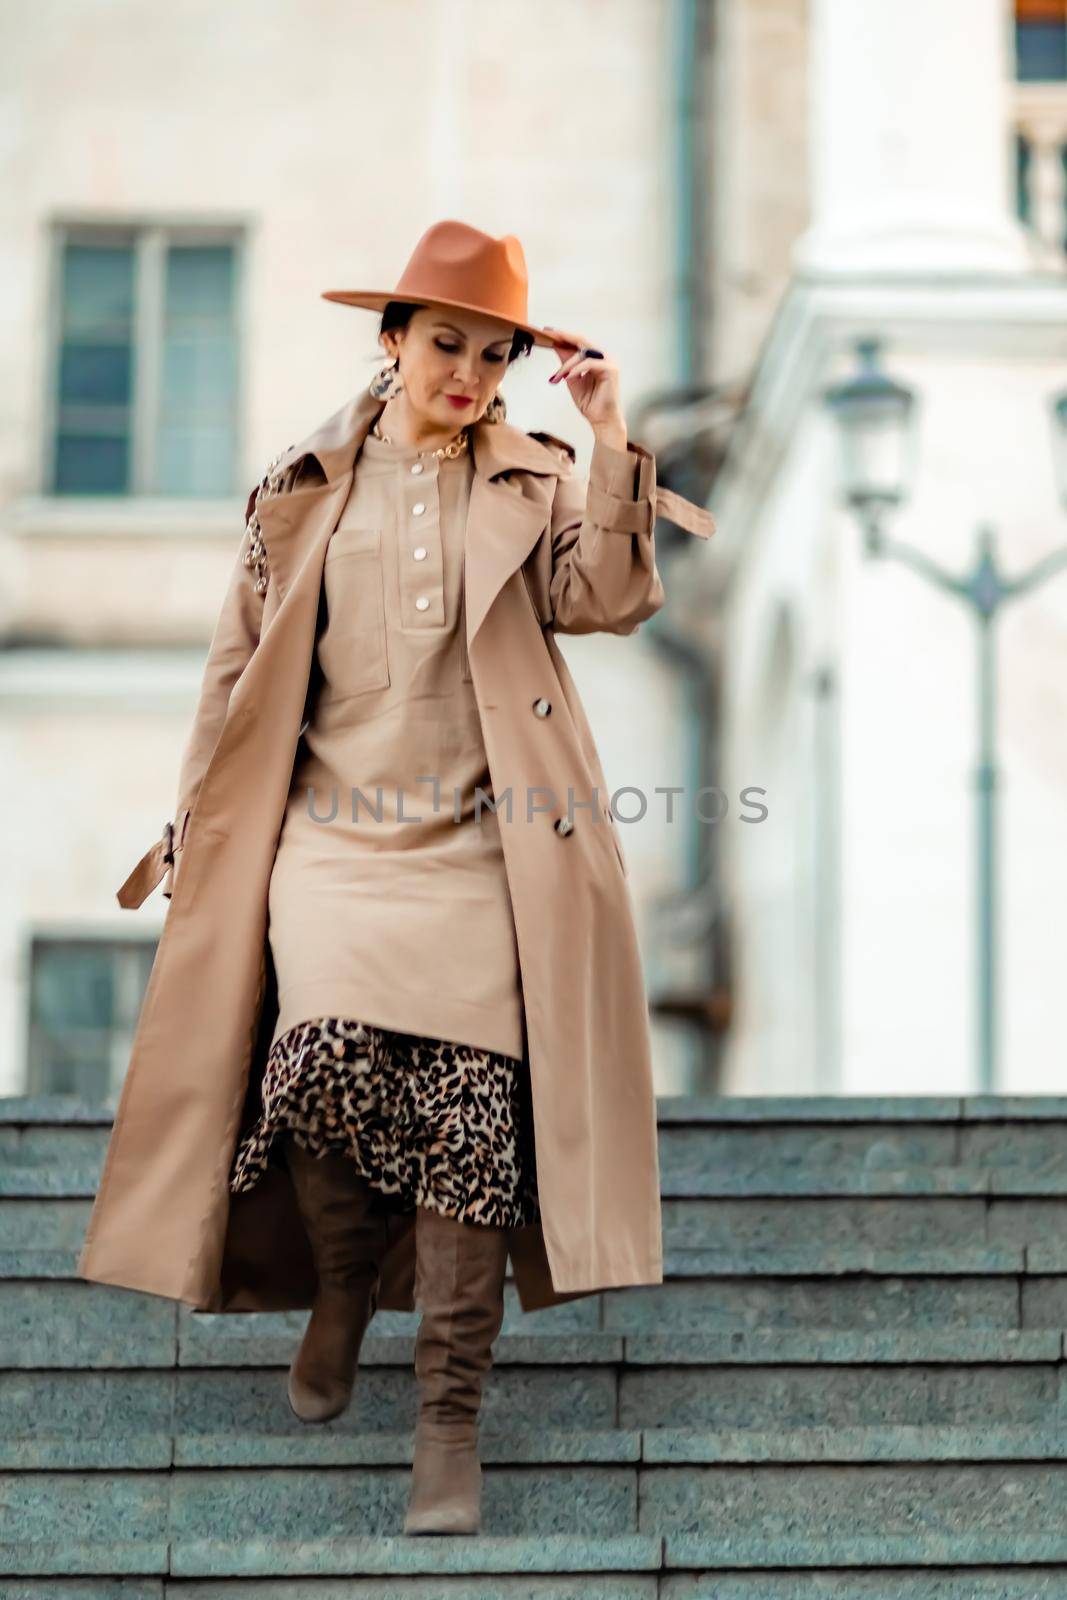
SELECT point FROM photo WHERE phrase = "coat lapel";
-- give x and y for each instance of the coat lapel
(505, 516)
(505, 519)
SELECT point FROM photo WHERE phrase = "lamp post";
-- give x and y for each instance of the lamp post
(877, 424)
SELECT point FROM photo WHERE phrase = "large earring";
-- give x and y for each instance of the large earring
(496, 410)
(387, 384)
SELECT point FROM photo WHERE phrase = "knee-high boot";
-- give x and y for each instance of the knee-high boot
(460, 1270)
(348, 1240)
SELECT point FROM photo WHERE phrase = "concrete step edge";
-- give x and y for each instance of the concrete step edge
(394, 1555)
(321, 1449)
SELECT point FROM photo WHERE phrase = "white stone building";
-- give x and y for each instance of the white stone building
(936, 224)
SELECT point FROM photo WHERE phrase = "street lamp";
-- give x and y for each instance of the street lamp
(876, 418)
(1059, 442)
(879, 437)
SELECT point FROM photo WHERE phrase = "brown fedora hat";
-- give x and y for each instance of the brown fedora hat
(457, 265)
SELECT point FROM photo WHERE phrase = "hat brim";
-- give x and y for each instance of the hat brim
(370, 300)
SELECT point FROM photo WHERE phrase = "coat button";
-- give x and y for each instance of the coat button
(421, 603)
(542, 708)
(564, 826)
(418, 508)
(416, 466)
(420, 553)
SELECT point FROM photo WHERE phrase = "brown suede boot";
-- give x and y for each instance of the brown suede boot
(348, 1241)
(460, 1269)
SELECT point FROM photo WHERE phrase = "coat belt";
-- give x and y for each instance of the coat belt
(157, 862)
(692, 517)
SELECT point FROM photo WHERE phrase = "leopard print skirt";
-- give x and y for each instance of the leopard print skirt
(427, 1122)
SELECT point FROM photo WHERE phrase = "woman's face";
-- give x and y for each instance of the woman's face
(451, 362)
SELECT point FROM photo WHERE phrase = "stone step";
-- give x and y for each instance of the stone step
(1017, 1549)
(593, 1567)
(854, 1369)
(767, 1110)
(898, 1583)
(50, 1517)
(934, 1145)
(816, 1260)
(1045, 1441)
(843, 1514)
(467, 1577)
(477, 1582)
(855, 1158)
(91, 1327)
(78, 1406)
(326, 1448)
(865, 1346)
(64, 1323)
(712, 1110)
(472, 1585)
(614, 1569)
(317, 1448)
(52, 1179)
(913, 1226)
(723, 1514)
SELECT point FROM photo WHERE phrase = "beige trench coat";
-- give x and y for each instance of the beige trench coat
(539, 560)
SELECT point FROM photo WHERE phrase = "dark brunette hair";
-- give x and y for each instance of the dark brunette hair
(398, 314)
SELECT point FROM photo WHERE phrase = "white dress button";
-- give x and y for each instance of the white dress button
(416, 466)
(420, 553)
(418, 508)
(421, 603)
(542, 708)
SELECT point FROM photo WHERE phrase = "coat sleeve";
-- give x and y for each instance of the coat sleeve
(604, 577)
(235, 637)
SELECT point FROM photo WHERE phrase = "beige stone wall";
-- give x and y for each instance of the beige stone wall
(760, 180)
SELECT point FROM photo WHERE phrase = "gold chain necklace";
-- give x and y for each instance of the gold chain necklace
(447, 452)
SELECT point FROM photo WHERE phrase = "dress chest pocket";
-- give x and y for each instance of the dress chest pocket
(353, 649)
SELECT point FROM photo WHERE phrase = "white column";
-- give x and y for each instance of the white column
(910, 138)
(1041, 116)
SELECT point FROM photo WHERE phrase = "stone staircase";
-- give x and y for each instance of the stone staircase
(851, 1383)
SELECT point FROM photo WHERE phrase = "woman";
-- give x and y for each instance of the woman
(395, 1085)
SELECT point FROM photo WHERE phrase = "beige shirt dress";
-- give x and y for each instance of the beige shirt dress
(400, 1033)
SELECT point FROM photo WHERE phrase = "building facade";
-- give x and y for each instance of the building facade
(734, 195)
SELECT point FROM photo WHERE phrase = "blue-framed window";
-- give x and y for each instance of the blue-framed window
(145, 368)
(85, 1000)
(1041, 41)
